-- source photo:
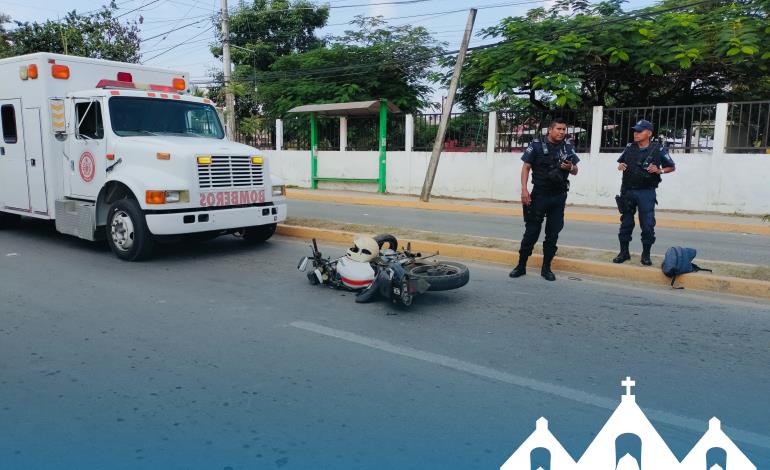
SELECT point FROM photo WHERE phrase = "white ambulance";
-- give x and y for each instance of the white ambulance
(125, 152)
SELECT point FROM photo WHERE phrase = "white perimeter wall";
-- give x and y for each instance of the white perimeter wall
(705, 182)
(727, 183)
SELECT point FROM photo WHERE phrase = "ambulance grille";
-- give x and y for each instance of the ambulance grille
(230, 171)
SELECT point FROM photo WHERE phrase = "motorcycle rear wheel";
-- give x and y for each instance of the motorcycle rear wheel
(445, 275)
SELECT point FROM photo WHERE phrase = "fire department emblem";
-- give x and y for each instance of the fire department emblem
(87, 167)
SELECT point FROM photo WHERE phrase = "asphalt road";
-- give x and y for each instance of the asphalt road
(717, 246)
(217, 355)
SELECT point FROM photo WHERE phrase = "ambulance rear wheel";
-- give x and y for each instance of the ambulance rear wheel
(258, 233)
(9, 220)
(127, 232)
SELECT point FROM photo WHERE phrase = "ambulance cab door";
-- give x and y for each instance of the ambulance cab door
(14, 190)
(87, 148)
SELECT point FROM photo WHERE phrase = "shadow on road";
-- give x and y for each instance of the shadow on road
(177, 248)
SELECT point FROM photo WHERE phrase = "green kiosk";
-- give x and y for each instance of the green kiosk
(355, 108)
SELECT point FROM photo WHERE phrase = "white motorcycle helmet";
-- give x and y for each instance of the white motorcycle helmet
(364, 249)
(355, 274)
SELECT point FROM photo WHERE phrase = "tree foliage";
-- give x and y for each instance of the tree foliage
(580, 55)
(100, 35)
(5, 41)
(281, 63)
(374, 61)
(261, 33)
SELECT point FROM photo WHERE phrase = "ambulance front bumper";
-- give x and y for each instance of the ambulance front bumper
(179, 222)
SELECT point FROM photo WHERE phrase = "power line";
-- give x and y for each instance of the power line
(318, 73)
(193, 5)
(397, 2)
(177, 45)
(172, 20)
(449, 12)
(85, 13)
(197, 41)
(173, 30)
(634, 15)
(138, 8)
(176, 25)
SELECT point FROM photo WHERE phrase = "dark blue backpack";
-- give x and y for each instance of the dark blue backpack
(678, 260)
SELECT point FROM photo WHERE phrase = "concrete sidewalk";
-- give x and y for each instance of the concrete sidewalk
(666, 219)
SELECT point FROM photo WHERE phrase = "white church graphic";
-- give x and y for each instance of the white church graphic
(628, 441)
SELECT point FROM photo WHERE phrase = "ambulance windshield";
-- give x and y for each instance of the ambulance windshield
(134, 116)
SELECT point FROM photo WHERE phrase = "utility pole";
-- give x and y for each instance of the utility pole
(439, 143)
(229, 98)
(63, 36)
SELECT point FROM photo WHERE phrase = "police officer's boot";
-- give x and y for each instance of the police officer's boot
(521, 268)
(624, 255)
(545, 270)
(646, 255)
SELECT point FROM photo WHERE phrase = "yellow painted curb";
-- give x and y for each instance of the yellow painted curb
(698, 225)
(694, 281)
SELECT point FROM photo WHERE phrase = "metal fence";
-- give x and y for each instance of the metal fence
(466, 132)
(684, 129)
(328, 132)
(263, 138)
(515, 130)
(364, 133)
(396, 140)
(296, 133)
(748, 127)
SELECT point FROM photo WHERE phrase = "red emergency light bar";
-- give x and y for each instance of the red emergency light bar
(167, 89)
(134, 86)
(115, 84)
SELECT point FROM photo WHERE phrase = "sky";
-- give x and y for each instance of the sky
(186, 47)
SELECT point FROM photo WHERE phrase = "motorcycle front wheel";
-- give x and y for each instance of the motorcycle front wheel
(445, 275)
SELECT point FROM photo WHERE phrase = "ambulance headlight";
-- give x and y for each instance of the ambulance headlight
(279, 190)
(177, 196)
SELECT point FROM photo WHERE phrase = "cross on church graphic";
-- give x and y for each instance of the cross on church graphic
(628, 441)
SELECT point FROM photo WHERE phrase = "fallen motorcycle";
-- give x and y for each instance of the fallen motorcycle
(372, 270)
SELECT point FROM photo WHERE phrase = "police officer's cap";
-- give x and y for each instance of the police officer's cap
(643, 125)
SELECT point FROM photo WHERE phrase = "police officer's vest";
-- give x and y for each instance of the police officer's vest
(546, 174)
(636, 175)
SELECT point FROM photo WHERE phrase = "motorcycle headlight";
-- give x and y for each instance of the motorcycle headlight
(279, 190)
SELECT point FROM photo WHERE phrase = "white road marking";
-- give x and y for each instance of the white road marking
(695, 425)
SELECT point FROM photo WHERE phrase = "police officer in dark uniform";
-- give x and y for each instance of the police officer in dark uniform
(642, 163)
(551, 162)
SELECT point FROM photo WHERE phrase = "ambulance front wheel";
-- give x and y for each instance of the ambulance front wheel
(127, 232)
(258, 233)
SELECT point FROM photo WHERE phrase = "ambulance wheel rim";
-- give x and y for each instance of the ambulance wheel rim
(122, 230)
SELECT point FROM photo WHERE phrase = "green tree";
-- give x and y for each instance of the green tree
(374, 61)
(671, 53)
(261, 33)
(5, 42)
(100, 35)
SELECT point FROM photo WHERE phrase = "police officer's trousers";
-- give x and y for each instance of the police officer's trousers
(644, 200)
(543, 206)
